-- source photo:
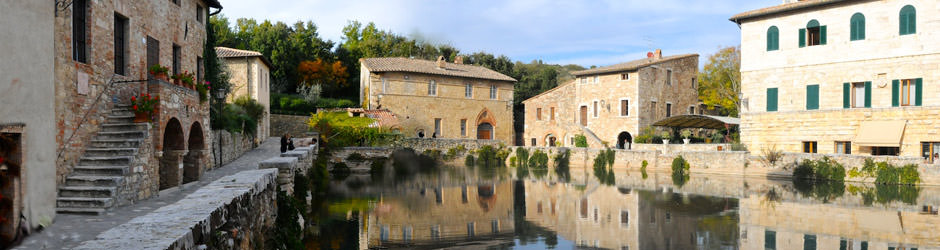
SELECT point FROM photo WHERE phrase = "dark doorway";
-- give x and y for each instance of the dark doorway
(624, 140)
(485, 131)
(193, 161)
(583, 115)
(173, 148)
(11, 159)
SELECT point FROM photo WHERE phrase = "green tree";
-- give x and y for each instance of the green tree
(720, 81)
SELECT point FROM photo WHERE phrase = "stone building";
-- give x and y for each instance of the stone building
(612, 104)
(249, 75)
(103, 50)
(439, 99)
(865, 85)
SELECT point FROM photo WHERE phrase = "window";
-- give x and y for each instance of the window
(885, 150)
(595, 109)
(809, 242)
(625, 76)
(176, 59)
(463, 127)
(437, 128)
(435, 232)
(691, 110)
(432, 88)
(773, 38)
(668, 217)
(468, 90)
(494, 225)
(538, 114)
(493, 92)
(584, 208)
(177, 2)
(653, 109)
(79, 26)
(120, 43)
(383, 234)
(856, 95)
(906, 92)
(470, 229)
(844, 147)
(907, 20)
(551, 113)
(770, 240)
(533, 142)
(153, 52)
(693, 83)
(771, 99)
(597, 79)
(200, 12)
(624, 107)
(624, 218)
(812, 97)
(864, 245)
(406, 233)
(809, 147)
(857, 27)
(668, 109)
(583, 80)
(669, 76)
(813, 34)
(384, 85)
(930, 151)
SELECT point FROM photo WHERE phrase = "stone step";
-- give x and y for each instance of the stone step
(122, 112)
(111, 143)
(106, 161)
(82, 202)
(121, 135)
(104, 152)
(94, 180)
(121, 118)
(115, 127)
(101, 170)
(78, 210)
(87, 192)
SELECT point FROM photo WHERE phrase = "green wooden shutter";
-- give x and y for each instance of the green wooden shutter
(860, 33)
(918, 93)
(812, 97)
(822, 35)
(802, 38)
(912, 23)
(846, 96)
(771, 99)
(868, 94)
(895, 93)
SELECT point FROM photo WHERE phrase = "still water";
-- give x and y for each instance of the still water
(460, 207)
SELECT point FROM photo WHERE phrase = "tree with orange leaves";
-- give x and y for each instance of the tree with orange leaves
(331, 75)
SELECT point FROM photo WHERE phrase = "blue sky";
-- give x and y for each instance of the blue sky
(600, 32)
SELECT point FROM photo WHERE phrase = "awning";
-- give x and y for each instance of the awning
(880, 133)
(698, 121)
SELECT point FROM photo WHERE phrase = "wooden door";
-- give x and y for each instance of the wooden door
(485, 131)
(583, 115)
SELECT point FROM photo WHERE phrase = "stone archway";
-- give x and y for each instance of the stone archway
(173, 150)
(485, 131)
(550, 140)
(486, 125)
(624, 140)
(193, 161)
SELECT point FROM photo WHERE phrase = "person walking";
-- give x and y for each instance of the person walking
(284, 140)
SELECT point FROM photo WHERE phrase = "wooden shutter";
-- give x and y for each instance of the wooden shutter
(822, 35)
(895, 93)
(119, 27)
(902, 23)
(153, 52)
(918, 93)
(802, 38)
(812, 97)
(868, 94)
(79, 23)
(846, 95)
(912, 22)
(771, 99)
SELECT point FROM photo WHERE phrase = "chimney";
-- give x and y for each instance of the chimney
(458, 60)
(440, 62)
(649, 54)
(659, 54)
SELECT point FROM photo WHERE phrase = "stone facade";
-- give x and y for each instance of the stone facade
(406, 94)
(249, 75)
(599, 93)
(877, 60)
(232, 147)
(295, 125)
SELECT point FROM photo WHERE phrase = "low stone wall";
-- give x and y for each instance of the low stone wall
(296, 125)
(682, 147)
(233, 212)
(289, 164)
(233, 146)
(422, 144)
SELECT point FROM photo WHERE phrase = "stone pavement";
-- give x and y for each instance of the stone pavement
(68, 230)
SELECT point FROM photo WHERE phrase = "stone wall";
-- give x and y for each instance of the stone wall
(233, 212)
(422, 144)
(681, 147)
(289, 164)
(295, 125)
(233, 146)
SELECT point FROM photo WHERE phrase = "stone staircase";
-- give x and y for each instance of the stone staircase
(93, 186)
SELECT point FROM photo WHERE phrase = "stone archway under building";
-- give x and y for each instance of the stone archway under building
(486, 125)
(193, 163)
(550, 140)
(624, 140)
(173, 149)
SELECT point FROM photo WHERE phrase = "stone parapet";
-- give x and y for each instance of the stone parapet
(233, 146)
(422, 144)
(285, 167)
(231, 212)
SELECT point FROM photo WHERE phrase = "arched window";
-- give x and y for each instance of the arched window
(857, 27)
(814, 34)
(773, 38)
(908, 20)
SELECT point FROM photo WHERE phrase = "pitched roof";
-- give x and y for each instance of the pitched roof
(787, 7)
(628, 66)
(225, 52)
(401, 64)
(214, 4)
(549, 91)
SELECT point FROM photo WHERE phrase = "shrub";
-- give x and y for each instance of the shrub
(770, 156)
(643, 169)
(488, 156)
(522, 155)
(241, 116)
(538, 160)
(355, 157)
(469, 161)
(512, 161)
(432, 153)
(580, 141)
(378, 166)
(297, 105)
(680, 171)
(604, 167)
(824, 169)
(562, 160)
(646, 135)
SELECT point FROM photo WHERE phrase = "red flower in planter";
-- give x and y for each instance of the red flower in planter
(134, 107)
(133, 99)
(1, 159)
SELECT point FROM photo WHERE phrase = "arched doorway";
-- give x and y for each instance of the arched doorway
(193, 161)
(485, 131)
(624, 140)
(550, 140)
(173, 149)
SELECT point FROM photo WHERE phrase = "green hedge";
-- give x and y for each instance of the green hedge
(296, 105)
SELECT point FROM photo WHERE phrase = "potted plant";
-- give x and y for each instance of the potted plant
(158, 72)
(143, 107)
(187, 79)
(666, 136)
(685, 136)
(203, 89)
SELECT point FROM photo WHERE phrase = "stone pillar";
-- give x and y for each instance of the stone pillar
(171, 165)
(285, 171)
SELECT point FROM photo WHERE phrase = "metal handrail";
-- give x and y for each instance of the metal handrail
(111, 83)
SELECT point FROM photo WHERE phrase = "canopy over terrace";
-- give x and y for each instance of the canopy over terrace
(698, 121)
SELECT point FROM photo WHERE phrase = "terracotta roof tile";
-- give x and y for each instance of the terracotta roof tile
(628, 66)
(783, 8)
(401, 64)
(224, 52)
